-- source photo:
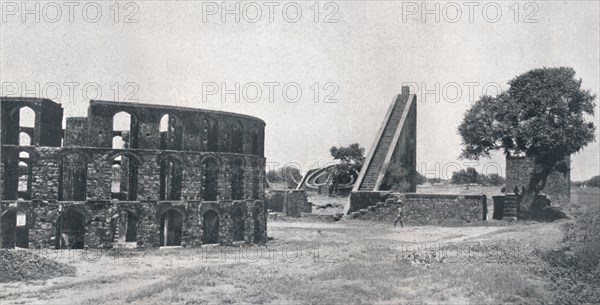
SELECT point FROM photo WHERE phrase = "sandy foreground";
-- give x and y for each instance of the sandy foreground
(315, 262)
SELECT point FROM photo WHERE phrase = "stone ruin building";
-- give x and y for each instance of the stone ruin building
(519, 169)
(129, 174)
(395, 148)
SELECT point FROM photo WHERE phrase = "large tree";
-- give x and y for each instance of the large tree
(541, 116)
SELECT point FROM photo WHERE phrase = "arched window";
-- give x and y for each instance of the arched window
(210, 179)
(125, 126)
(171, 228)
(171, 132)
(211, 134)
(73, 178)
(124, 178)
(239, 224)
(70, 230)
(237, 138)
(118, 142)
(24, 184)
(26, 125)
(16, 176)
(24, 139)
(170, 179)
(19, 120)
(14, 231)
(237, 180)
(210, 227)
(26, 117)
(127, 227)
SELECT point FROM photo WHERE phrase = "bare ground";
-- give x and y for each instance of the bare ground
(345, 262)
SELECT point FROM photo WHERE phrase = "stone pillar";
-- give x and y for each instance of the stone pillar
(511, 207)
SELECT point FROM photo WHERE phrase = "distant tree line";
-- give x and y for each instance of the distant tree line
(471, 176)
(592, 182)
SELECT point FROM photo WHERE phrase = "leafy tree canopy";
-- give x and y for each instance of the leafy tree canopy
(352, 154)
(542, 115)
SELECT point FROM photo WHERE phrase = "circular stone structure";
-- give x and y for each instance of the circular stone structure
(129, 174)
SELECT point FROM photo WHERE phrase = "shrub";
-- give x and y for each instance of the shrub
(24, 265)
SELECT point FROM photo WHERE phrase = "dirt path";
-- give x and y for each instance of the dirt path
(340, 247)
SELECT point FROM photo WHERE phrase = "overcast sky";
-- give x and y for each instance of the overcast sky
(175, 52)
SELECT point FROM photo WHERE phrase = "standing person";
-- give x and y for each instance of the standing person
(399, 217)
(516, 191)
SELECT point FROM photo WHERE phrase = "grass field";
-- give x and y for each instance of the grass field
(344, 262)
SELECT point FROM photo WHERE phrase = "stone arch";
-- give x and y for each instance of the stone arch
(237, 137)
(128, 221)
(24, 179)
(84, 155)
(210, 178)
(24, 139)
(210, 227)
(238, 218)
(171, 177)
(17, 172)
(14, 228)
(171, 227)
(126, 126)
(27, 117)
(212, 157)
(72, 184)
(237, 178)
(70, 229)
(131, 155)
(20, 119)
(124, 182)
(171, 132)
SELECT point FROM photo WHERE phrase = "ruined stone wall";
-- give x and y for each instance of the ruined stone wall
(426, 209)
(76, 132)
(362, 199)
(290, 202)
(89, 142)
(194, 123)
(518, 173)
(101, 220)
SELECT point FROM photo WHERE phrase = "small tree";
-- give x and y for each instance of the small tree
(541, 116)
(396, 178)
(421, 179)
(465, 176)
(351, 161)
(594, 182)
(494, 179)
(289, 175)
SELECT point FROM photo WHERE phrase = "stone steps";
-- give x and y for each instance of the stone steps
(376, 164)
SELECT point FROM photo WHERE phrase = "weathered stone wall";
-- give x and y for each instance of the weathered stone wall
(45, 168)
(238, 139)
(101, 220)
(290, 202)
(194, 124)
(427, 209)
(362, 199)
(47, 129)
(76, 132)
(518, 173)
